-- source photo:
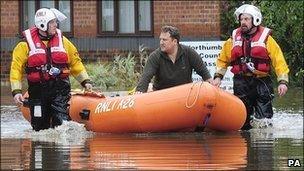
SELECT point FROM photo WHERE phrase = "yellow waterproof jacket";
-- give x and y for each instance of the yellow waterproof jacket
(19, 61)
(274, 51)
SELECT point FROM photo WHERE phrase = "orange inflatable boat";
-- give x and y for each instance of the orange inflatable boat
(180, 108)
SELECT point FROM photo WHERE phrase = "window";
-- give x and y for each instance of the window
(28, 9)
(125, 17)
(107, 16)
(144, 15)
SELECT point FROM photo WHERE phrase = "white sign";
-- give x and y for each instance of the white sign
(209, 52)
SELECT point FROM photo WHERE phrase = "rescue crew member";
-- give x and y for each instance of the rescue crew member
(172, 63)
(251, 51)
(48, 58)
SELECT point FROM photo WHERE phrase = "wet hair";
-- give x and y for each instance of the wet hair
(173, 31)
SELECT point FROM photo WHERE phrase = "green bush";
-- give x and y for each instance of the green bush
(286, 20)
(112, 76)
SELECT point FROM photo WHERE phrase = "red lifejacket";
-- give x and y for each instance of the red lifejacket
(38, 64)
(254, 49)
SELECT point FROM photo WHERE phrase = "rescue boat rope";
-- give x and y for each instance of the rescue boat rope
(197, 94)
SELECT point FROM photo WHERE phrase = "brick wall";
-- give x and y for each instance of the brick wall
(9, 18)
(9, 28)
(85, 18)
(193, 18)
(5, 65)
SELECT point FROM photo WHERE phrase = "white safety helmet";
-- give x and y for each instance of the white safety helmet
(251, 10)
(44, 15)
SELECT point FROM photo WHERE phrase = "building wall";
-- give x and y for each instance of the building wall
(85, 19)
(9, 28)
(9, 18)
(197, 20)
(193, 18)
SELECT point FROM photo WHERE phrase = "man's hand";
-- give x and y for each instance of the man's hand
(88, 87)
(282, 89)
(217, 81)
(18, 98)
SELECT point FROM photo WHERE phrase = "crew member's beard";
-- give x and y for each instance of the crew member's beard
(245, 29)
(47, 37)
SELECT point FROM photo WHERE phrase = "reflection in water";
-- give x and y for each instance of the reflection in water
(47, 155)
(70, 146)
(260, 153)
(195, 151)
(27, 154)
(169, 152)
(15, 154)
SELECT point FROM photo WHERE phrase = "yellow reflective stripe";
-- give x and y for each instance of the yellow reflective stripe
(16, 85)
(283, 77)
(82, 76)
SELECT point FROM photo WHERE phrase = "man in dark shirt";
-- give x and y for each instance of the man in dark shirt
(172, 63)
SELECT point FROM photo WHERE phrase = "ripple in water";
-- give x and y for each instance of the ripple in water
(69, 133)
(13, 125)
(285, 124)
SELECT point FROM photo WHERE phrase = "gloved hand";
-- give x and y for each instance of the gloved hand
(88, 87)
(18, 98)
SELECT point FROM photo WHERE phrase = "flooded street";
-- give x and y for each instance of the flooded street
(70, 146)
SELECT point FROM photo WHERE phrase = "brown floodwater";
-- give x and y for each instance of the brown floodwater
(71, 147)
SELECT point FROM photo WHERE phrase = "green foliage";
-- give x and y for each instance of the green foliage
(228, 22)
(112, 76)
(143, 56)
(286, 20)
